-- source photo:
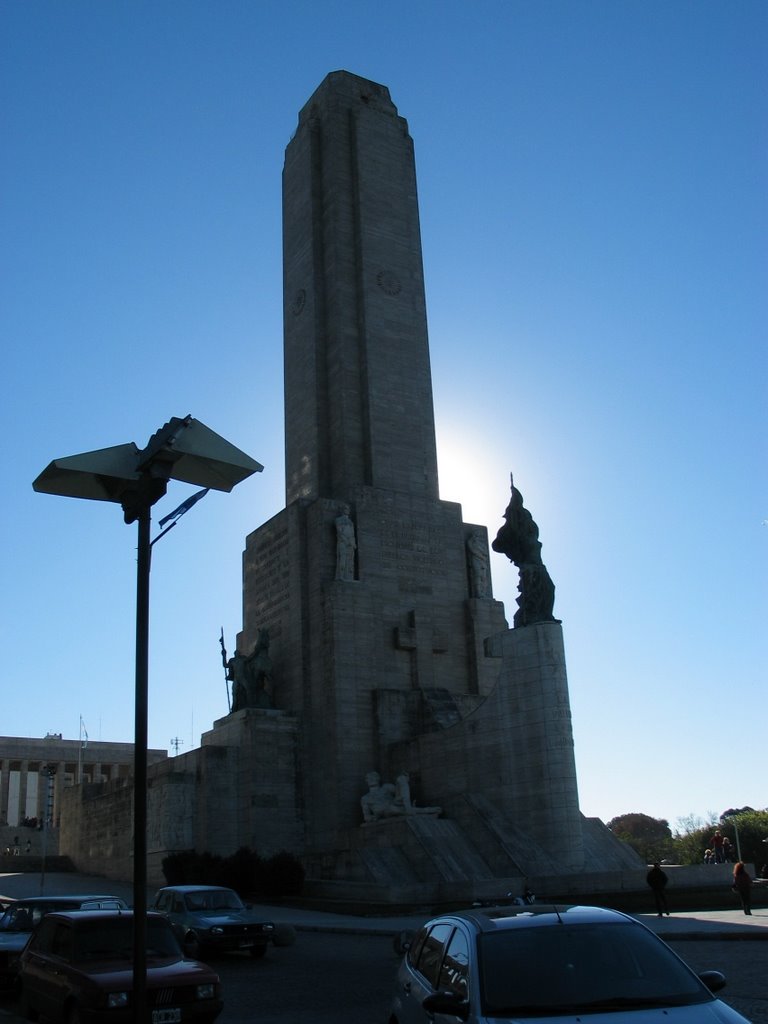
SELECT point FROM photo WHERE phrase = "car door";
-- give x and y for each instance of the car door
(171, 906)
(46, 967)
(455, 973)
(420, 971)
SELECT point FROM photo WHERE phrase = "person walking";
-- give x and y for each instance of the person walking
(742, 884)
(657, 880)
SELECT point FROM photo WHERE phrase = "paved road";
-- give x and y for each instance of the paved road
(341, 969)
(745, 965)
(325, 979)
(347, 979)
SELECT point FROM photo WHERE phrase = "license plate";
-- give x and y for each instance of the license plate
(166, 1016)
(245, 944)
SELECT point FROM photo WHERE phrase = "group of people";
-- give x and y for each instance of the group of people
(719, 850)
(742, 885)
(15, 849)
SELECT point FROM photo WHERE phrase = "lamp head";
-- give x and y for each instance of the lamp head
(182, 449)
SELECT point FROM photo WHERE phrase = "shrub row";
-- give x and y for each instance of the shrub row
(270, 879)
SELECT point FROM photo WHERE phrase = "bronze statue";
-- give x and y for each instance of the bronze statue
(518, 539)
(251, 675)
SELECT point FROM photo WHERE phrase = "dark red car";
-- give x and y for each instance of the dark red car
(77, 969)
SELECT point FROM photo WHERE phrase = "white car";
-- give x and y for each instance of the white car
(550, 964)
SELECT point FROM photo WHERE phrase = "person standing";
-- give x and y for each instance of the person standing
(716, 845)
(742, 884)
(657, 880)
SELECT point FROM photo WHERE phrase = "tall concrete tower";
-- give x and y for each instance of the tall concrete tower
(387, 646)
(358, 388)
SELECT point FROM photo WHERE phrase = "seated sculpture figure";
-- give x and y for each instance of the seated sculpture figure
(380, 800)
(385, 800)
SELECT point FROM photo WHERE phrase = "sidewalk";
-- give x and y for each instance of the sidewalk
(703, 924)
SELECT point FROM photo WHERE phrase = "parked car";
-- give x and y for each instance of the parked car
(22, 916)
(210, 919)
(554, 964)
(77, 968)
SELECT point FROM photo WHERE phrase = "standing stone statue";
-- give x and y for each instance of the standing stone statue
(237, 673)
(260, 673)
(479, 571)
(345, 546)
(518, 539)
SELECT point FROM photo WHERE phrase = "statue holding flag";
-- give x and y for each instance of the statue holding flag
(250, 675)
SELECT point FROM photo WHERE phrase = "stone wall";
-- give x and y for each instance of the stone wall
(238, 789)
(97, 828)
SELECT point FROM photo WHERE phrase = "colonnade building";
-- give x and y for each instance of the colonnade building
(27, 765)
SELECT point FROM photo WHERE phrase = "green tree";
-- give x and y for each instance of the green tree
(650, 837)
(752, 829)
(693, 835)
(688, 847)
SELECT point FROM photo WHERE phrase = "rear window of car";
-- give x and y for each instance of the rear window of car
(112, 939)
(98, 940)
(24, 917)
(569, 968)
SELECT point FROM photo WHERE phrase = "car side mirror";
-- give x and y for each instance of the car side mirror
(448, 1003)
(402, 941)
(714, 980)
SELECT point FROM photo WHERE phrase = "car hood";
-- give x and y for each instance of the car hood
(212, 918)
(161, 972)
(715, 1012)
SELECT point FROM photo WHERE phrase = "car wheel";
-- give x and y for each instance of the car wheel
(284, 935)
(257, 952)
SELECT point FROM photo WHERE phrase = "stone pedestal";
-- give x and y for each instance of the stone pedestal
(247, 792)
(507, 770)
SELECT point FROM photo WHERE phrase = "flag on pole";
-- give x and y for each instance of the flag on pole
(83, 734)
(185, 506)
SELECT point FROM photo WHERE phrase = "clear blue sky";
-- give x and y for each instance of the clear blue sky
(592, 181)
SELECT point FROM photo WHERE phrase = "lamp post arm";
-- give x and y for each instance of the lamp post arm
(162, 534)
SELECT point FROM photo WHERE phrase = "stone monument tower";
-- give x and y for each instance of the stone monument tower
(386, 724)
(385, 637)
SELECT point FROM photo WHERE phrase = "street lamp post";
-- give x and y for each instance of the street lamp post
(731, 820)
(183, 449)
(49, 771)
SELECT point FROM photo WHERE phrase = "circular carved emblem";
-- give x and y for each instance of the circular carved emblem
(388, 282)
(299, 302)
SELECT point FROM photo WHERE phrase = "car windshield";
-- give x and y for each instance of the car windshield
(23, 918)
(213, 899)
(113, 940)
(576, 968)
